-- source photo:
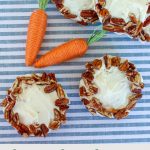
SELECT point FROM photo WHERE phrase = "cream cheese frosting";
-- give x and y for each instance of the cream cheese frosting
(76, 6)
(35, 106)
(123, 8)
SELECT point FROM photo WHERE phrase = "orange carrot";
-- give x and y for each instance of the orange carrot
(36, 31)
(69, 50)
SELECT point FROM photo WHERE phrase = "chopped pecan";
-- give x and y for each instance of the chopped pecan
(63, 118)
(9, 98)
(95, 103)
(147, 37)
(52, 76)
(107, 61)
(135, 88)
(57, 115)
(24, 129)
(148, 11)
(10, 105)
(142, 36)
(44, 77)
(35, 77)
(54, 125)
(118, 29)
(129, 26)
(32, 129)
(131, 73)
(109, 28)
(60, 91)
(137, 78)
(141, 85)
(8, 115)
(133, 18)
(17, 90)
(87, 13)
(85, 101)
(93, 89)
(15, 118)
(98, 7)
(44, 129)
(88, 76)
(17, 82)
(131, 105)
(62, 101)
(104, 12)
(124, 66)
(9, 91)
(117, 21)
(63, 108)
(113, 28)
(115, 61)
(38, 133)
(50, 88)
(93, 19)
(146, 22)
(83, 91)
(58, 1)
(131, 66)
(138, 29)
(97, 64)
(121, 114)
(4, 103)
(89, 67)
(135, 96)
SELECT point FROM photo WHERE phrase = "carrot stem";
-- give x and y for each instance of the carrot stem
(43, 4)
(96, 36)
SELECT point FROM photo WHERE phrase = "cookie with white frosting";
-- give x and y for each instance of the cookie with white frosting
(131, 17)
(35, 103)
(111, 86)
(82, 11)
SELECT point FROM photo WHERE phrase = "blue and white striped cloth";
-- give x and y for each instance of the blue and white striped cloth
(81, 127)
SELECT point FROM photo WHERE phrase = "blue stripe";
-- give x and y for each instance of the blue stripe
(23, 9)
(71, 24)
(17, 2)
(100, 141)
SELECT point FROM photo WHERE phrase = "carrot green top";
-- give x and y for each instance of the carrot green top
(43, 4)
(96, 36)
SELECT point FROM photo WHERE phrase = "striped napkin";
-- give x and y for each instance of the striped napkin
(81, 127)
